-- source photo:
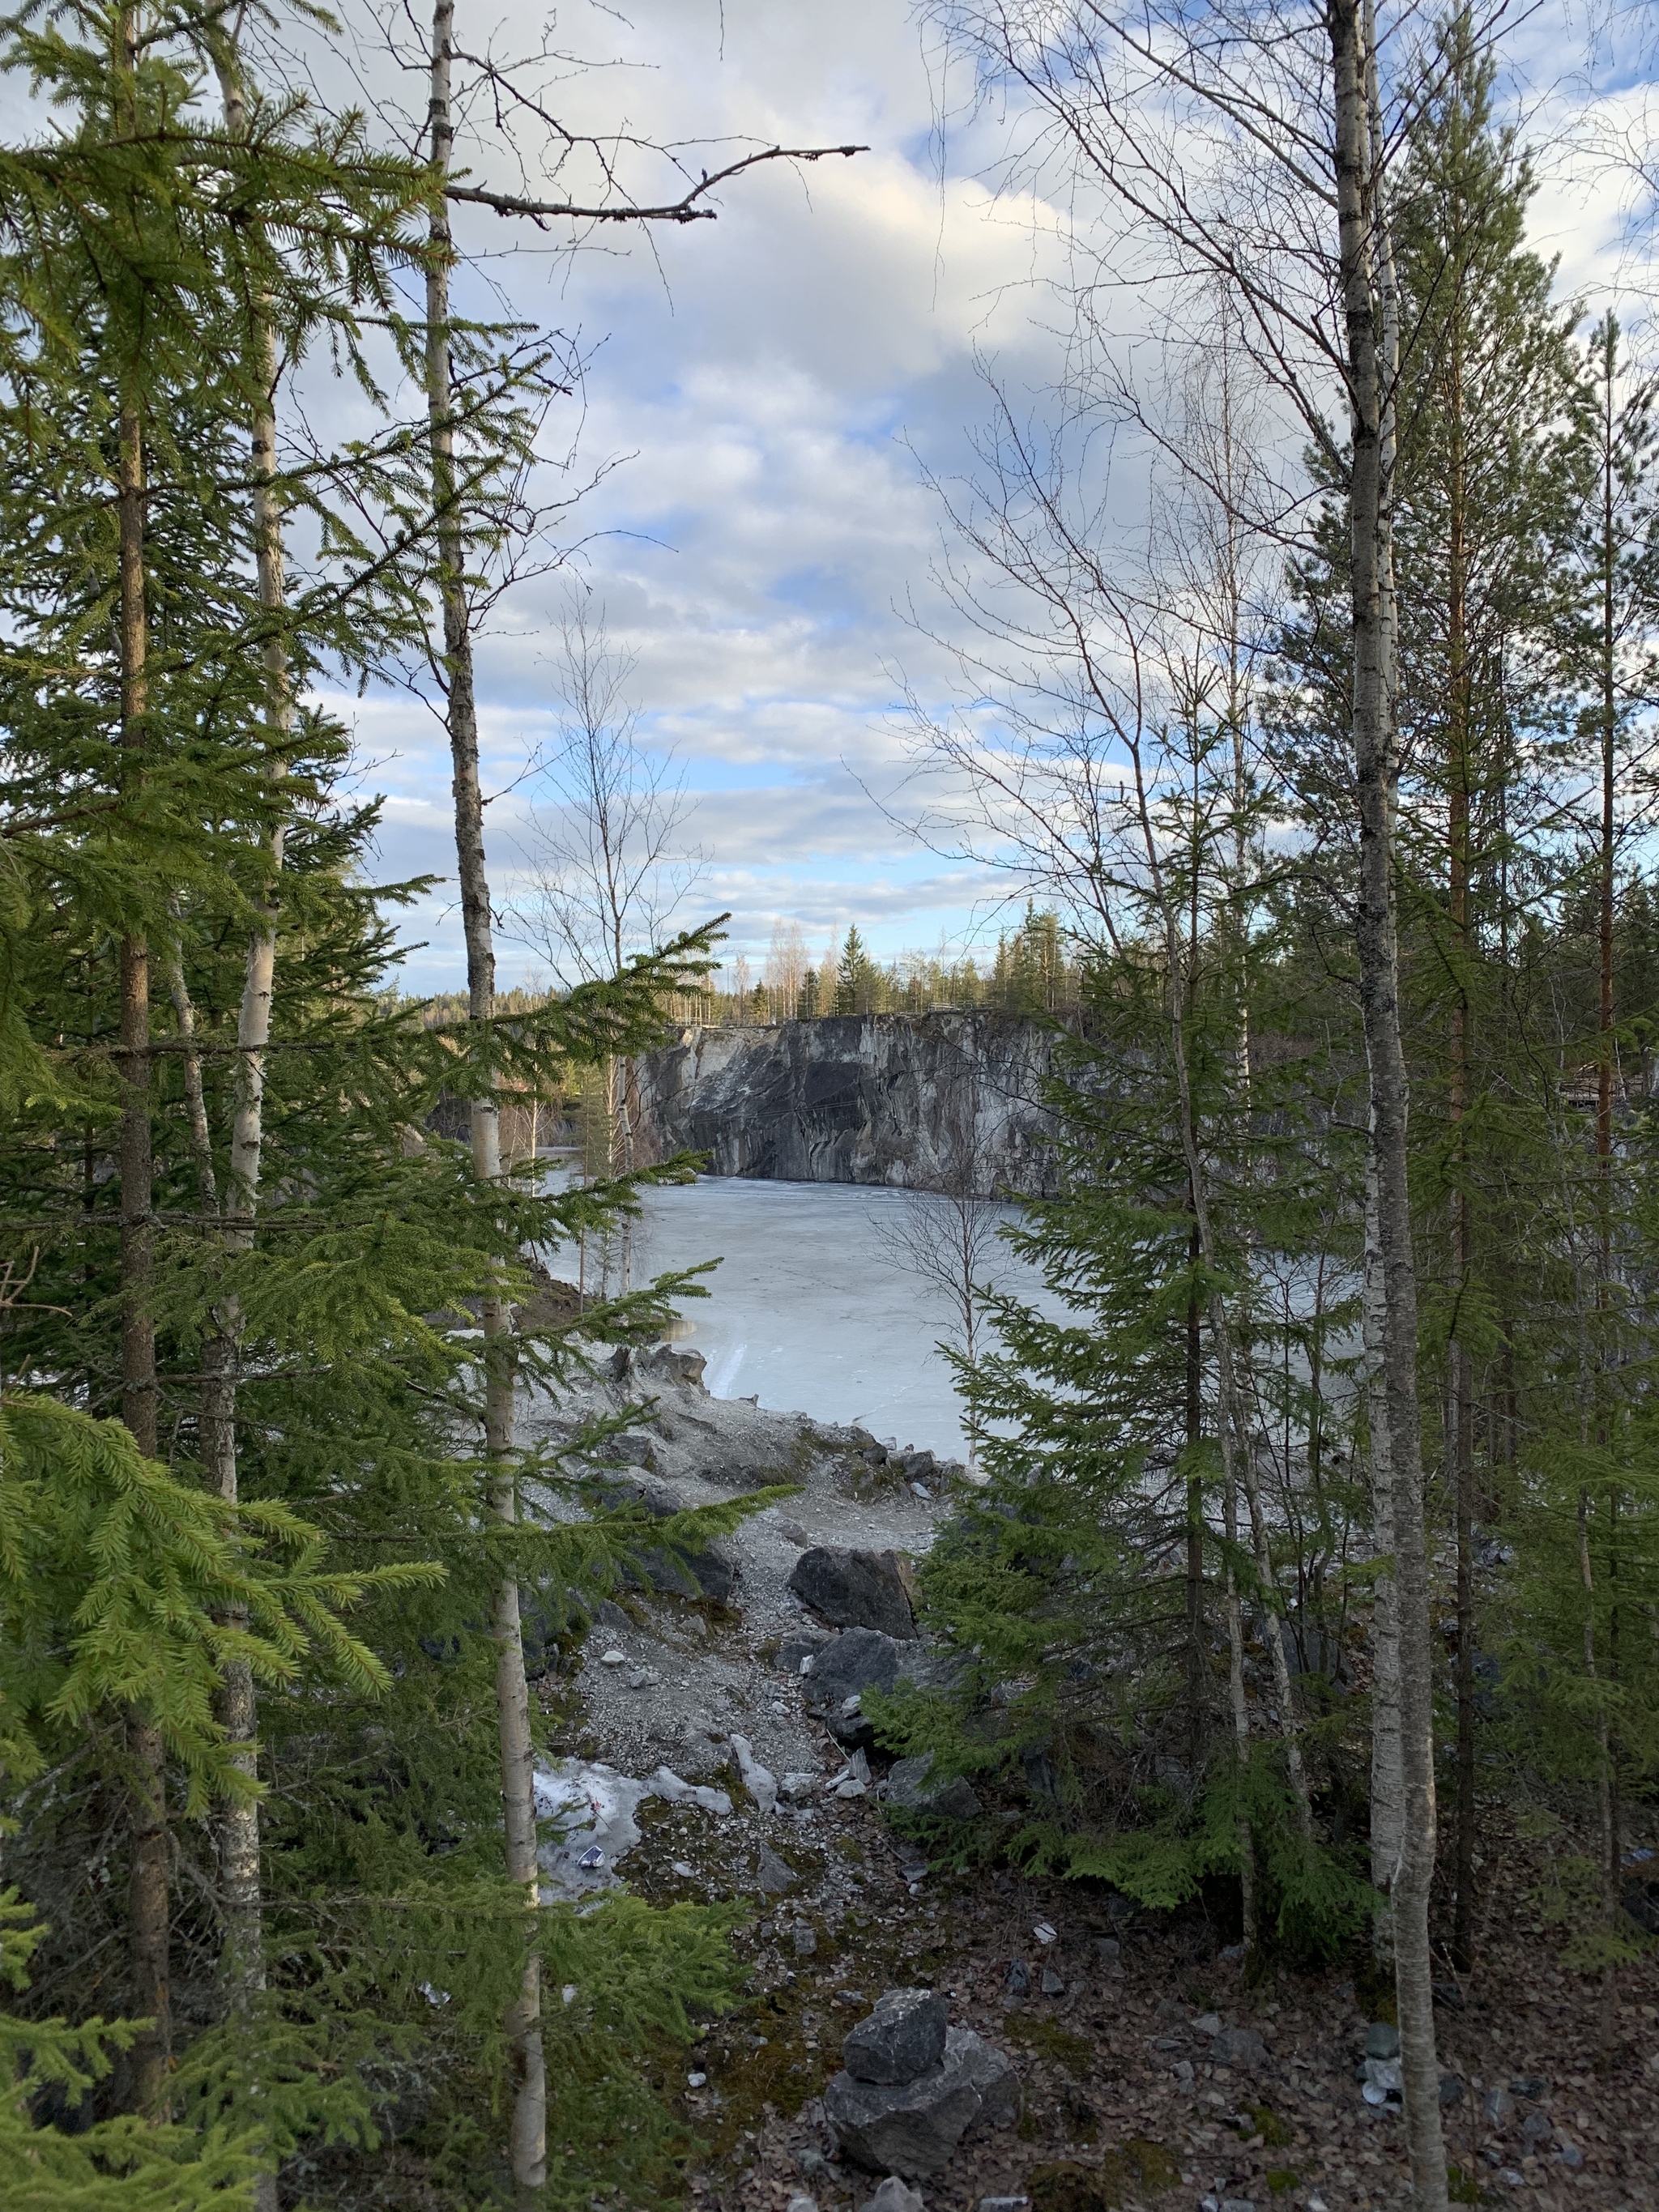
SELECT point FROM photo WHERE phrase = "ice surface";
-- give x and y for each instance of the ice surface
(811, 1311)
(592, 1808)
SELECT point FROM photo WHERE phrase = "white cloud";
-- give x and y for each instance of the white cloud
(763, 372)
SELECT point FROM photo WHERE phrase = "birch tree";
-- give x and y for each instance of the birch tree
(1254, 150)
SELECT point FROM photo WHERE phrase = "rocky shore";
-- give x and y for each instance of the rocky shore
(933, 2030)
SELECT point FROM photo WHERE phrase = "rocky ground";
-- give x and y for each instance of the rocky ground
(693, 1749)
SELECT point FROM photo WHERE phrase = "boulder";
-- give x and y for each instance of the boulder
(1381, 2040)
(912, 2128)
(629, 1448)
(855, 1589)
(908, 1790)
(666, 1365)
(857, 1660)
(900, 2038)
(693, 1574)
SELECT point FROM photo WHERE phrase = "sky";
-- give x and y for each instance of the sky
(761, 396)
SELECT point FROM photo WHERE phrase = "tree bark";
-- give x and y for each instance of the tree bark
(1197, 1664)
(148, 1901)
(1459, 1422)
(1388, 1785)
(1370, 389)
(528, 2139)
(1607, 1747)
(239, 1825)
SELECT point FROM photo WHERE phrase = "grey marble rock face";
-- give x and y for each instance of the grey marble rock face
(905, 1099)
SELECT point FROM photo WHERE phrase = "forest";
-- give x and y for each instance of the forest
(1320, 1524)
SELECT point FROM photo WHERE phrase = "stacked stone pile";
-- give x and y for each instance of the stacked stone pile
(914, 2087)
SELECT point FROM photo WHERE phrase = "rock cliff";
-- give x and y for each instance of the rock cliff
(914, 1099)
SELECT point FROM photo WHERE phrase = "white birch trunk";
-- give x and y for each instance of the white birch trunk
(1370, 385)
(528, 2135)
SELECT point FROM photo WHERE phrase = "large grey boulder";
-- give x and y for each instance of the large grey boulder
(900, 2038)
(857, 1660)
(628, 1447)
(908, 1788)
(912, 2128)
(705, 1573)
(855, 1589)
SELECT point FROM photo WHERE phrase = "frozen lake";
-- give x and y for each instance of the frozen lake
(810, 1310)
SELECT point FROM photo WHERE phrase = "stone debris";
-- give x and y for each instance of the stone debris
(703, 1572)
(908, 1788)
(852, 1588)
(1238, 2046)
(774, 1875)
(757, 1780)
(895, 2195)
(900, 2039)
(912, 2127)
(857, 1660)
(667, 1785)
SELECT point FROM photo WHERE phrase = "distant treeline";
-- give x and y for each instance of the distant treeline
(1031, 971)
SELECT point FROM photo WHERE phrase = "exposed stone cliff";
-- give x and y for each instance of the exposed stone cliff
(875, 1098)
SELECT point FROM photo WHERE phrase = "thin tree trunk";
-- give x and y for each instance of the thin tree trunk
(1459, 1424)
(1237, 1455)
(148, 1901)
(1387, 1791)
(1371, 382)
(1240, 1706)
(528, 2142)
(239, 1820)
(1607, 1754)
(1197, 1665)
